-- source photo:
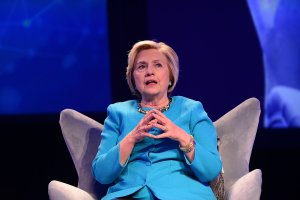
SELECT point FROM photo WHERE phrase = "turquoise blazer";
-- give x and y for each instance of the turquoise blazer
(158, 167)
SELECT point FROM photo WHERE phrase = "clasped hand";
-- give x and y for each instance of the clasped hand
(155, 118)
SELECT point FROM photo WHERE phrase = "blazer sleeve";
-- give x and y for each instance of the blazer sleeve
(207, 163)
(106, 166)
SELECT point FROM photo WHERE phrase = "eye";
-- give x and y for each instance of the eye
(158, 65)
(141, 67)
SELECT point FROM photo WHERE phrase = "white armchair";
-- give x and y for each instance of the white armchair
(236, 130)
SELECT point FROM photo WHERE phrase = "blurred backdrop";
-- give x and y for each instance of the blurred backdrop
(73, 54)
(54, 54)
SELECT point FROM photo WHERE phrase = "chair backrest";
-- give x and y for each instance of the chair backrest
(82, 136)
(237, 130)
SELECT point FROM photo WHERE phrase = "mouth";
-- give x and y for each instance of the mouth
(150, 82)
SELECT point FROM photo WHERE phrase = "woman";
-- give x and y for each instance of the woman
(158, 146)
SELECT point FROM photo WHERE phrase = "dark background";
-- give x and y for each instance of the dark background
(53, 54)
(221, 66)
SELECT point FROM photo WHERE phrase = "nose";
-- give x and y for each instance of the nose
(150, 70)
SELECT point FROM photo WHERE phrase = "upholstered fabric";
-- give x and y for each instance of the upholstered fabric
(61, 191)
(236, 130)
(82, 136)
(248, 187)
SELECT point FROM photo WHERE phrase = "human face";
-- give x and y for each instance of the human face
(151, 73)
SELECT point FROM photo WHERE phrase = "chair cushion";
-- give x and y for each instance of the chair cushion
(61, 191)
(247, 187)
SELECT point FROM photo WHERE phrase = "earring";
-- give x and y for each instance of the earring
(170, 84)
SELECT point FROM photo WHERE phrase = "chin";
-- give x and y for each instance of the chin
(150, 93)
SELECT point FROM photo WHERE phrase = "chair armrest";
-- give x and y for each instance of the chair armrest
(237, 130)
(76, 128)
(61, 191)
(248, 187)
(82, 136)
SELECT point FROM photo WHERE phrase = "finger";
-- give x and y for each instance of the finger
(163, 128)
(153, 121)
(146, 127)
(150, 112)
(148, 117)
(161, 120)
(149, 135)
(158, 112)
(160, 136)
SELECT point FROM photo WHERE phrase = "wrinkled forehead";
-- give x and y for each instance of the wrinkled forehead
(150, 56)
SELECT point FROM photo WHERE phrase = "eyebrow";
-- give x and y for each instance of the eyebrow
(144, 62)
(141, 62)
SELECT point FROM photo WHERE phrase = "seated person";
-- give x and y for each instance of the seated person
(157, 146)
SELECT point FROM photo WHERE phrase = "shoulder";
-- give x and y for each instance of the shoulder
(194, 107)
(187, 103)
(122, 104)
(120, 110)
(122, 107)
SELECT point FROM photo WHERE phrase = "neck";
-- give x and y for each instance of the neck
(157, 102)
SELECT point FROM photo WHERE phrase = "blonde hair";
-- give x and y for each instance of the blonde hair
(172, 58)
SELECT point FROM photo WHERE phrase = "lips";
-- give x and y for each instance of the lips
(148, 82)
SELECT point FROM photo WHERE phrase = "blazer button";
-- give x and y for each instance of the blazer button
(148, 163)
